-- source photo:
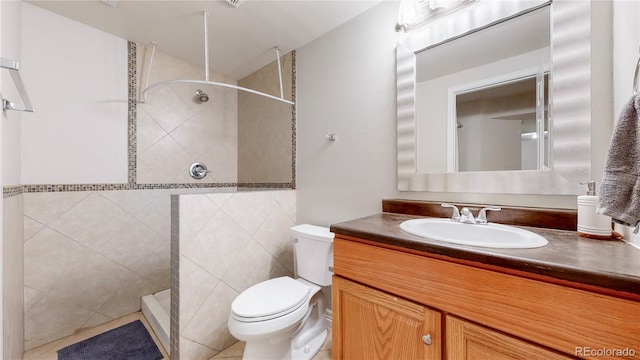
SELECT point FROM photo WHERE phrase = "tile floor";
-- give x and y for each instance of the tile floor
(49, 351)
(235, 351)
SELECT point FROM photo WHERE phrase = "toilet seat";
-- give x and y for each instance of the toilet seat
(270, 299)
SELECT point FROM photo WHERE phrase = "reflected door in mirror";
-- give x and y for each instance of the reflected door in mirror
(503, 126)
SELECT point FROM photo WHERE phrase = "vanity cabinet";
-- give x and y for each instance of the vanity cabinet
(386, 298)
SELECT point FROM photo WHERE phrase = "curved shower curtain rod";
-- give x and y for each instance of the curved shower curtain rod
(206, 80)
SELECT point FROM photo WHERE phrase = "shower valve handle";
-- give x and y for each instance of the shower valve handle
(198, 171)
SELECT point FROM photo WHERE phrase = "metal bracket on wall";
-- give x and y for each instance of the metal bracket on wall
(13, 67)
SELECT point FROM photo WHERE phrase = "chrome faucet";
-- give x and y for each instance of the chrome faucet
(466, 217)
(482, 214)
(456, 213)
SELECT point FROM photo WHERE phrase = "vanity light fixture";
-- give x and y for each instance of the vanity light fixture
(414, 13)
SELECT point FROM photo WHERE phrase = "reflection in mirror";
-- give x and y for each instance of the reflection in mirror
(482, 99)
(498, 129)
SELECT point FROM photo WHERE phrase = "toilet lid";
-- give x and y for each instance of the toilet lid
(270, 297)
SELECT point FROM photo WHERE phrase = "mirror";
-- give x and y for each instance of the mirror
(475, 104)
(501, 126)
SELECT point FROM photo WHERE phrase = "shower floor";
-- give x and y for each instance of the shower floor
(49, 351)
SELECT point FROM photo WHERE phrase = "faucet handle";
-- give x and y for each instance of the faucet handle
(482, 214)
(456, 213)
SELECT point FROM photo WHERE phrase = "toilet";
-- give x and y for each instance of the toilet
(285, 318)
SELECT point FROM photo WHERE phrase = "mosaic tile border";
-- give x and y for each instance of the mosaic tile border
(294, 91)
(132, 131)
(11, 191)
(114, 187)
(132, 150)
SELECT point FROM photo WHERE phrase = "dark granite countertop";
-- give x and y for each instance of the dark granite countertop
(613, 265)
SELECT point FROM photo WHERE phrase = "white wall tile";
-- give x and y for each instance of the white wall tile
(201, 210)
(224, 255)
(190, 349)
(13, 275)
(31, 297)
(272, 232)
(51, 319)
(92, 221)
(175, 129)
(197, 284)
(31, 227)
(49, 258)
(111, 253)
(148, 130)
(252, 267)
(217, 245)
(47, 207)
(167, 158)
(206, 326)
(250, 209)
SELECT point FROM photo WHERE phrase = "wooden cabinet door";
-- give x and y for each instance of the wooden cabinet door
(468, 341)
(371, 324)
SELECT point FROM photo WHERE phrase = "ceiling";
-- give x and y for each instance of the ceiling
(241, 40)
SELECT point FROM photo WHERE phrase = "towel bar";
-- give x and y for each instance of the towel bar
(13, 67)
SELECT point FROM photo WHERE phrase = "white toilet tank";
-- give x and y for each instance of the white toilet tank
(313, 253)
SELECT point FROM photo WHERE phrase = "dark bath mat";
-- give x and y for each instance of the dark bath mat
(127, 342)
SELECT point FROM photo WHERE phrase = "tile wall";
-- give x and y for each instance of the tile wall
(227, 243)
(92, 250)
(89, 256)
(175, 129)
(12, 267)
(265, 126)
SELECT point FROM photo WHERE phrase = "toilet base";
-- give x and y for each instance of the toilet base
(284, 349)
(301, 343)
(308, 351)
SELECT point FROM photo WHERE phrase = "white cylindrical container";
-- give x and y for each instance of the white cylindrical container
(590, 223)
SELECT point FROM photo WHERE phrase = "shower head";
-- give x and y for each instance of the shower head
(202, 96)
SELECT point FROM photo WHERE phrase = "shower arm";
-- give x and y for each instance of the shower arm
(206, 80)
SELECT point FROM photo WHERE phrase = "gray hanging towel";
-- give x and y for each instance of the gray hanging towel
(620, 188)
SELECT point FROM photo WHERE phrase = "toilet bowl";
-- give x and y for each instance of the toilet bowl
(285, 318)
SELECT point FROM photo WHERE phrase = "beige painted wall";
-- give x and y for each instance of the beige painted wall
(346, 85)
(77, 134)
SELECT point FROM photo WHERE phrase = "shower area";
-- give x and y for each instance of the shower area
(205, 213)
(237, 138)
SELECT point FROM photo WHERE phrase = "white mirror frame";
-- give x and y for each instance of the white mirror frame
(570, 105)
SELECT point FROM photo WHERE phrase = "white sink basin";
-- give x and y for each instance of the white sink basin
(486, 235)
